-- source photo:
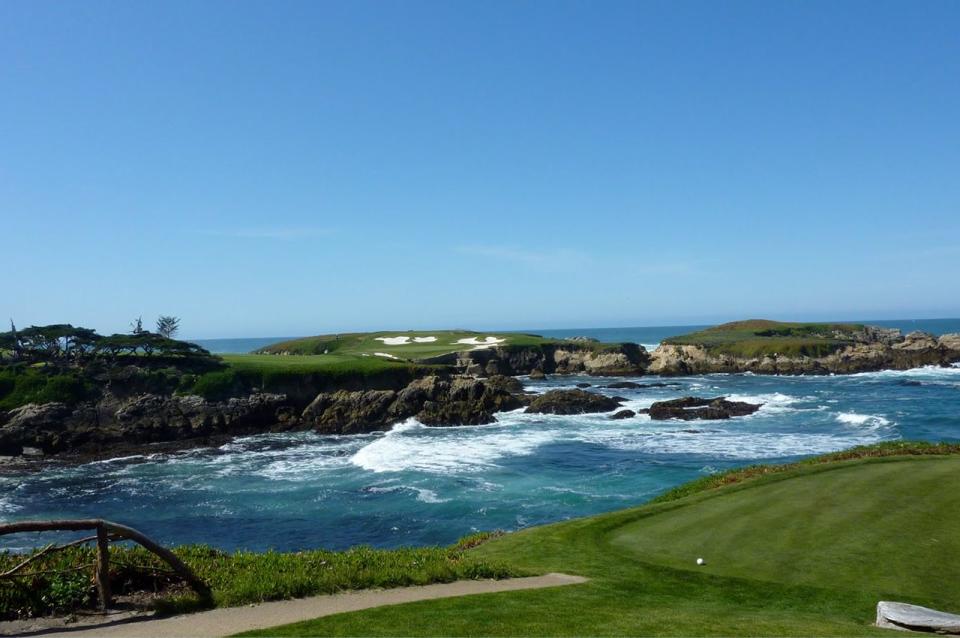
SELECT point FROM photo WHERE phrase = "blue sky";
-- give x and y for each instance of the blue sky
(294, 168)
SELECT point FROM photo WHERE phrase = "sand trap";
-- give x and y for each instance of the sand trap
(404, 341)
(394, 341)
(384, 354)
(484, 342)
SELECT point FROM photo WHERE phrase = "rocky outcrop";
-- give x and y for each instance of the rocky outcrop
(906, 617)
(145, 418)
(571, 402)
(432, 400)
(695, 408)
(631, 385)
(913, 350)
(574, 357)
(950, 342)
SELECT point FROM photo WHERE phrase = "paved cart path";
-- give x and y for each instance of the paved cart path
(230, 620)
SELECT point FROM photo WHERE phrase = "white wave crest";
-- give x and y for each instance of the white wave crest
(412, 446)
(867, 420)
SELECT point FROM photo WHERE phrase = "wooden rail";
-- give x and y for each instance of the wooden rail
(106, 531)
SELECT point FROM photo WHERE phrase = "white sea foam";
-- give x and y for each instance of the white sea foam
(412, 446)
(924, 372)
(863, 420)
(424, 495)
(773, 403)
(732, 444)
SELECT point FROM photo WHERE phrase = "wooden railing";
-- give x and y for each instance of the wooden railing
(106, 532)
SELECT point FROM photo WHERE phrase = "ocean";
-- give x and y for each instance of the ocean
(417, 485)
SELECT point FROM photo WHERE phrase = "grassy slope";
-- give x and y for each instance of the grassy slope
(758, 337)
(805, 551)
(367, 343)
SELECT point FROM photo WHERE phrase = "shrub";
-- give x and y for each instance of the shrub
(218, 385)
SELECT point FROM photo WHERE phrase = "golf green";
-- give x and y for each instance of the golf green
(803, 552)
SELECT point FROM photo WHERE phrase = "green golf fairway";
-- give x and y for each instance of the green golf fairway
(806, 551)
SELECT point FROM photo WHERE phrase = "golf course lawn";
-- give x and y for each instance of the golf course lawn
(432, 343)
(807, 551)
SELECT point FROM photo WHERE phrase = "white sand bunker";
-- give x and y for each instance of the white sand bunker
(404, 340)
(484, 342)
(384, 354)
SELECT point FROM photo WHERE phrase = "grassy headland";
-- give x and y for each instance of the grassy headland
(419, 344)
(759, 337)
(805, 549)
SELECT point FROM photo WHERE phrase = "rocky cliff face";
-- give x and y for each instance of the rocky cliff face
(146, 418)
(884, 353)
(152, 418)
(433, 400)
(573, 358)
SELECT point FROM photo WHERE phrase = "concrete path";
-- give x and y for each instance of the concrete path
(232, 620)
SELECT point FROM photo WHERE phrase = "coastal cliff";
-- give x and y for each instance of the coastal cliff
(93, 403)
(866, 351)
(578, 356)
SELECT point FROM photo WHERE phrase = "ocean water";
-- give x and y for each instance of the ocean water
(417, 485)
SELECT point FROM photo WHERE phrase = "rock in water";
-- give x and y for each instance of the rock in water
(537, 374)
(571, 402)
(694, 408)
(623, 414)
(902, 616)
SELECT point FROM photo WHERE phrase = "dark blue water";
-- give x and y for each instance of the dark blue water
(417, 485)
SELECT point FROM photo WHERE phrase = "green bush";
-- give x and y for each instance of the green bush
(218, 385)
(21, 386)
(236, 578)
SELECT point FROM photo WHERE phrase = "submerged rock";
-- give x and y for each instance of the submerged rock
(695, 408)
(571, 402)
(623, 414)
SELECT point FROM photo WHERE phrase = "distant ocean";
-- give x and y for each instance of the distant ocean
(649, 336)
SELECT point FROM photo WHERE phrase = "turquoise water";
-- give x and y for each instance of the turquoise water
(417, 485)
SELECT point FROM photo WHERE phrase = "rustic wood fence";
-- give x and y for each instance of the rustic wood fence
(106, 532)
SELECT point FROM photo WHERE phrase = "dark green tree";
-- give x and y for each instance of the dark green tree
(168, 326)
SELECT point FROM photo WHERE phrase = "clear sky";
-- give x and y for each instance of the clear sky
(285, 168)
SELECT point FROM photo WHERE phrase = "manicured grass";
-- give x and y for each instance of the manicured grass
(241, 577)
(331, 363)
(807, 550)
(301, 374)
(367, 343)
(760, 337)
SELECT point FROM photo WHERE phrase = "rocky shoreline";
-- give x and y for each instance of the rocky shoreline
(475, 386)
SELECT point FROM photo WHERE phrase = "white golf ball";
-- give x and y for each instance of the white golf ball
(700, 561)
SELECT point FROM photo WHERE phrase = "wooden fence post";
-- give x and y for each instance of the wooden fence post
(103, 567)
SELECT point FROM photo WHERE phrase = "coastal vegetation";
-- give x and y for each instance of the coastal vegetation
(806, 548)
(759, 337)
(62, 582)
